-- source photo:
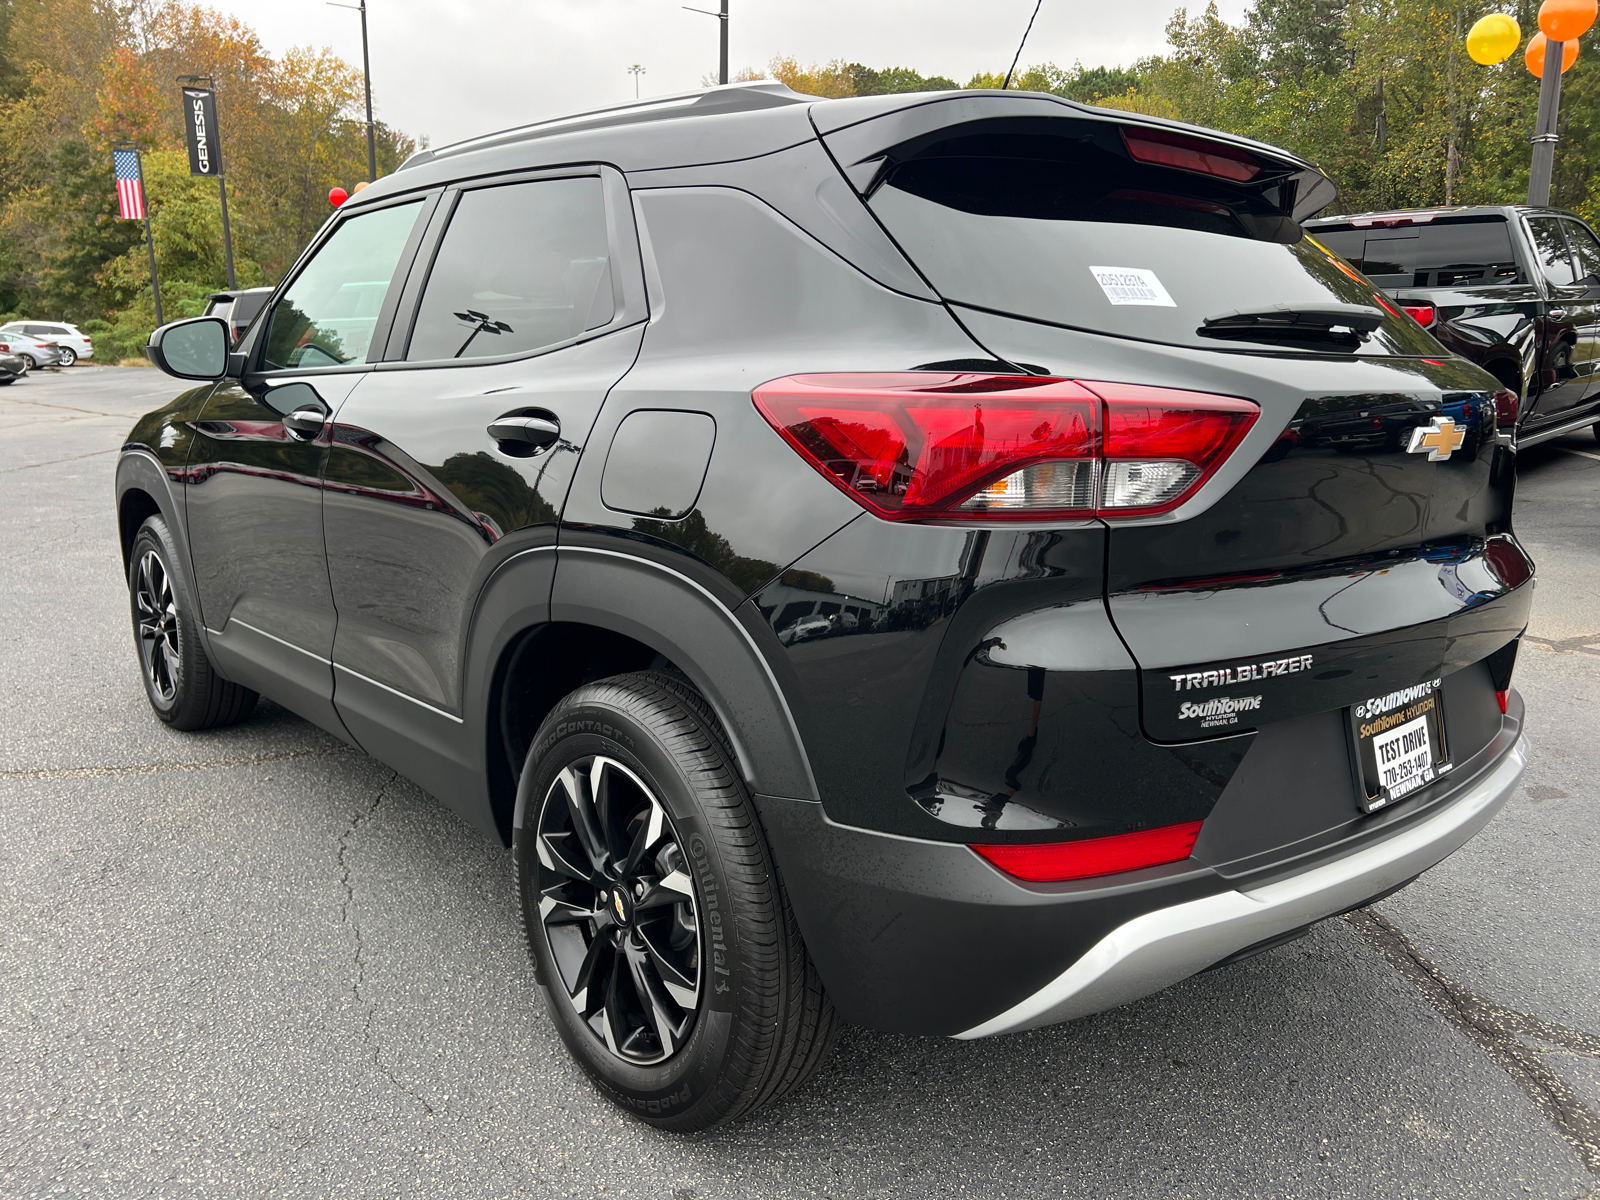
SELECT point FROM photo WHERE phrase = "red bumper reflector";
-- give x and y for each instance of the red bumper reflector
(1422, 314)
(1053, 862)
(1501, 696)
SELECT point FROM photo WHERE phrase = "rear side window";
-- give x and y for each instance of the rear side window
(1070, 228)
(1550, 251)
(1469, 253)
(327, 317)
(522, 266)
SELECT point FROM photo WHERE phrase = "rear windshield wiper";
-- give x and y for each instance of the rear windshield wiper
(1343, 326)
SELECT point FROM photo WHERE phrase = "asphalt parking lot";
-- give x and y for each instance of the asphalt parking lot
(253, 962)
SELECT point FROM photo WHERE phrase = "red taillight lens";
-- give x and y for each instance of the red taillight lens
(1506, 406)
(1053, 862)
(1422, 314)
(1501, 696)
(932, 446)
(1161, 444)
(1163, 149)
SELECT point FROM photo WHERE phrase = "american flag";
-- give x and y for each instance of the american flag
(130, 188)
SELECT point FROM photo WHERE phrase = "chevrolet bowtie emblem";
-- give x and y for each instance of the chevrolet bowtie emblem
(1440, 439)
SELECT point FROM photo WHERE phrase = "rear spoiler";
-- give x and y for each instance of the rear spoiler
(869, 135)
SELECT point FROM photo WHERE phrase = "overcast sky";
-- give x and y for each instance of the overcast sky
(451, 69)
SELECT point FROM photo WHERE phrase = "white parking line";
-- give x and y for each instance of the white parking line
(1579, 453)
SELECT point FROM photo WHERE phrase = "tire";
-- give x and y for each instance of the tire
(28, 363)
(69, 357)
(182, 685)
(687, 994)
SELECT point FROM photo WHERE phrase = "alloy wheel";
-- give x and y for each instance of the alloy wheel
(617, 907)
(68, 356)
(159, 648)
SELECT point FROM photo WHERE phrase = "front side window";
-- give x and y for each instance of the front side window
(327, 316)
(1550, 251)
(522, 266)
(1586, 250)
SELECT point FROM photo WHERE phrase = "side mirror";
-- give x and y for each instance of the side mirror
(192, 349)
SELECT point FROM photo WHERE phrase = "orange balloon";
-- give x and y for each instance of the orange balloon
(1534, 58)
(358, 187)
(1567, 20)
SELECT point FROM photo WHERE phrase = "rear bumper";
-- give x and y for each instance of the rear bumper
(1159, 948)
(917, 936)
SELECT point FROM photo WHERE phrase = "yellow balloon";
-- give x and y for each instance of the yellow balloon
(1494, 39)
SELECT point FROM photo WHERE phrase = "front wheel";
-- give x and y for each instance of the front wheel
(184, 689)
(659, 928)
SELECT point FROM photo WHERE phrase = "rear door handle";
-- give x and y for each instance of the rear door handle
(1558, 314)
(305, 422)
(535, 432)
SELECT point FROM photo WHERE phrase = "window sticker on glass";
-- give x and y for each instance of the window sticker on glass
(1132, 285)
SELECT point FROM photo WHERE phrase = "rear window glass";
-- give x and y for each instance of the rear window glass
(1470, 253)
(1069, 229)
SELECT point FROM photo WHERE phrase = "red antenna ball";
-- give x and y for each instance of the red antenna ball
(338, 196)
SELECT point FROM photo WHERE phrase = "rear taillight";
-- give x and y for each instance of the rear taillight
(920, 445)
(5, 348)
(1053, 862)
(1506, 405)
(1422, 314)
(1501, 697)
(1163, 149)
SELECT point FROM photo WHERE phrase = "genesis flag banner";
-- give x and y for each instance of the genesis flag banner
(130, 187)
(200, 131)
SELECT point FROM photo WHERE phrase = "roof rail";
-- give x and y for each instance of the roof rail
(713, 101)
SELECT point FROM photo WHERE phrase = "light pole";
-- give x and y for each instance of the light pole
(722, 70)
(366, 79)
(636, 70)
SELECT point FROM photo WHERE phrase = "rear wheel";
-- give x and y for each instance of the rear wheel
(660, 930)
(68, 356)
(28, 362)
(183, 687)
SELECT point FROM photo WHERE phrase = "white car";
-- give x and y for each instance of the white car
(34, 352)
(74, 345)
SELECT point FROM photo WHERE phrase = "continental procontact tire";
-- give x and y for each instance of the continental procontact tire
(183, 688)
(660, 931)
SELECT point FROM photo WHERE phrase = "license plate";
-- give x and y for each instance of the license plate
(1400, 740)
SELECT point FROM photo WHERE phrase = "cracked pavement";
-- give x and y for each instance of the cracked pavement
(253, 962)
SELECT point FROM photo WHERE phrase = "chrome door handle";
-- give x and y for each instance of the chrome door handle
(1557, 314)
(305, 422)
(537, 432)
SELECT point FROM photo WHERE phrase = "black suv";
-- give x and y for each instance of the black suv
(949, 562)
(1515, 289)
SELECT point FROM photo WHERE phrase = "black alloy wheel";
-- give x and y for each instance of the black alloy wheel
(183, 688)
(618, 910)
(659, 927)
(156, 626)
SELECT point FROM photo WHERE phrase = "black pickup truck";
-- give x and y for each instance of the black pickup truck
(1513, 288)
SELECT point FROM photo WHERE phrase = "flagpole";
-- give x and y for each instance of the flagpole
(149, 236)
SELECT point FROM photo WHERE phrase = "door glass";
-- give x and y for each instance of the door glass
(327, 316)
(1586, 250)
(522, 266)
(1550, 250)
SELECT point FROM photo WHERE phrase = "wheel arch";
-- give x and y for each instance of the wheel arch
(143, 491)
(607, 613)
